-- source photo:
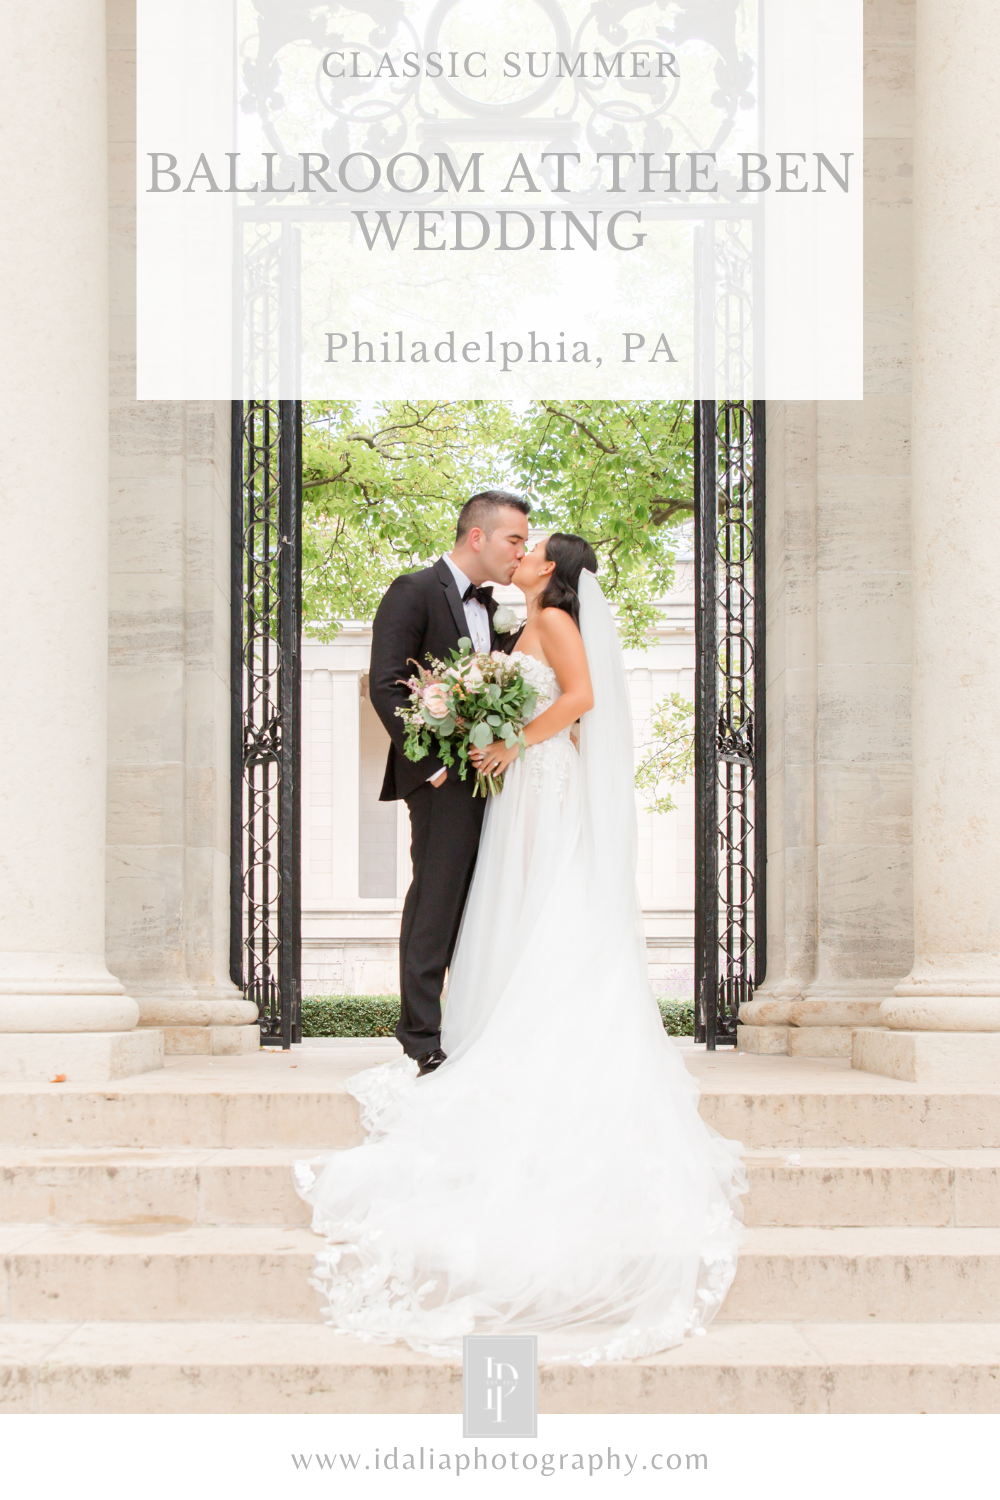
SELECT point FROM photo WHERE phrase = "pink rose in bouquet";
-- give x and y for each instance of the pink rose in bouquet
(436, 700)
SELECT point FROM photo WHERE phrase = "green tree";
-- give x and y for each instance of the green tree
(384, 484)
(667, 759)
(620, 473)
(382, 488)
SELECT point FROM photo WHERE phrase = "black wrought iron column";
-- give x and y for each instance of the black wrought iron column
(706, 852)
(730, 750)
(265, 937)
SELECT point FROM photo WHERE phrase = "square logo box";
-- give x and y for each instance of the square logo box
(500, 1385)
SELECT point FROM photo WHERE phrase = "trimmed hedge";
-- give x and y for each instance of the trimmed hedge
(377, 1015)
(350, 1015)
(678, 1015)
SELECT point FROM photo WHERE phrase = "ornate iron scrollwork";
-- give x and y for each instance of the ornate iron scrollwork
(386, 115)
(730, 766)
(265, 936)
(387, 109)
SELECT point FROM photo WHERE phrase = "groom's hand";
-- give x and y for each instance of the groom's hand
(440, 778)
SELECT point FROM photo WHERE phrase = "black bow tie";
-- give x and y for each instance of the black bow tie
(485, 596)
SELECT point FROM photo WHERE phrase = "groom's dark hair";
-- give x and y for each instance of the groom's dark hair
(483, 510)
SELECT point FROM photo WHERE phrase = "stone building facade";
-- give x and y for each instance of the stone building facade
(884, 808)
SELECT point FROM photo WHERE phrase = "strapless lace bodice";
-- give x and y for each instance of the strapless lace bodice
(543, 679)
(550, 761)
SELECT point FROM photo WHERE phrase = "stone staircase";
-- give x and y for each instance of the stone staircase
(155, 1257)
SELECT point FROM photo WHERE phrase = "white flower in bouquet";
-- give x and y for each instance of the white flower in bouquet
(505, 620)
(472, 678)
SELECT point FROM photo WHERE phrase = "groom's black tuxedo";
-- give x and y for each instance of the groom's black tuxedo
(421, 615)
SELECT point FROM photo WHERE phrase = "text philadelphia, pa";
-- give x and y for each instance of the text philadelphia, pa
(490, 349)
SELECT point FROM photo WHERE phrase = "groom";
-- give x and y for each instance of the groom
(425, 614)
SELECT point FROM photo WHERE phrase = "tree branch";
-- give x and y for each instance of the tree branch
(575, 422)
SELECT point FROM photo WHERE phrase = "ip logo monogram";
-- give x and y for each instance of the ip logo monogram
(501, 1380)
(500, 1386)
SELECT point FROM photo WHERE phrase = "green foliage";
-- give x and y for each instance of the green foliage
(621, 474)
(382, 488)
(669, 756)
(377, 1015)
(678, 1016)
(383, 485)
(350, 1015)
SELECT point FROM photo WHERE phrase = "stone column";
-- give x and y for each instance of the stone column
(61, 1012)
(768, 1023)
(944, 1019)
(840, 913)
(169, 720)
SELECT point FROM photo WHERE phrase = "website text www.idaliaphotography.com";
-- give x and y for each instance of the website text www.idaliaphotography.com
(426, 1461)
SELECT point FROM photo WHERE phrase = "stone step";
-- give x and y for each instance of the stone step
(855, 1118)
(199, 1118)
(895, 1275)
(254, 1187)
(159, 1272)
(58, 1116)
(857, 1187)
(298, 1100)
(304, 1368)
(111, 1186)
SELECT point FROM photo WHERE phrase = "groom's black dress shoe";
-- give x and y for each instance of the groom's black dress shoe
(430, 1061)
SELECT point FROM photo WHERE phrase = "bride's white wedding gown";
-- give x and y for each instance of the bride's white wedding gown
(553, 1176)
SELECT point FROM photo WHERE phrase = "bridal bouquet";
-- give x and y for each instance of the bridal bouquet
(467, 703)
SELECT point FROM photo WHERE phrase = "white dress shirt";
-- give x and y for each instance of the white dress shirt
(476, 616)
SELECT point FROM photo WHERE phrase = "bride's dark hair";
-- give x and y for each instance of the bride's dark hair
(571, 554)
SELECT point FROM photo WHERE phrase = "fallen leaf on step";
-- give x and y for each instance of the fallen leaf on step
(59, 1078)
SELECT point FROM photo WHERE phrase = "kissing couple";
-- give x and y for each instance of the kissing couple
(535, 1163)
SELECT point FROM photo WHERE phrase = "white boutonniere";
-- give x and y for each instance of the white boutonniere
(505, 620)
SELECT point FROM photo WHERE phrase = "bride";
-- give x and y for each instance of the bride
(553, 1176)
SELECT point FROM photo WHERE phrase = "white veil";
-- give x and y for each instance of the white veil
(607, 757)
